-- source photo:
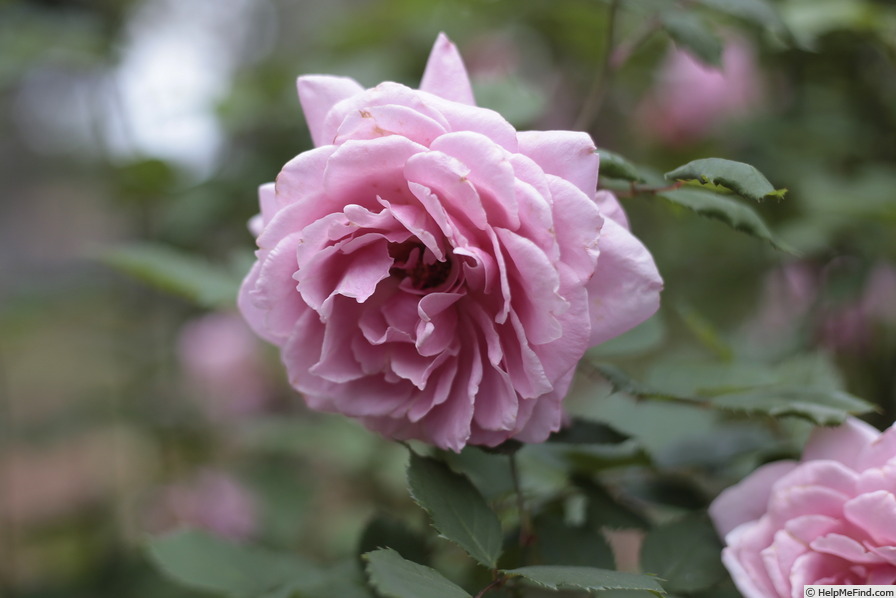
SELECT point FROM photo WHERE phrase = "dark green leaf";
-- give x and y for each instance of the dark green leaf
(689, 31)
(396, 577)
(203, 562)
(735, 214)
(556, 577)
(821, 406)
(685, 554)
(743, 179)
(458, 510)
(345, 580)
(384, 531)
(760, 12)
(594, 458)
(622, 382)
(673, 490)
(605, 510)
(488, 471)
(176, 272)
(615, 166)
(581, 431)
(557, 543)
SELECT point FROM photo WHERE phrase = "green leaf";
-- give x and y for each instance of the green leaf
(615, 166)
(345, 580)
(760, 12)
(203, 562)
(743, 179)
(383, 530)
(685, 554)
(622, 382)
(176, 272)
(560, 544)
(821, 406)
(557, 577)
(604, 510)
(583, 431)
(735, 214)
(643, 337)
(396, 577)
(689, 30)
(458, 510)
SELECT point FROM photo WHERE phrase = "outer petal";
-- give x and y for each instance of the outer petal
(625, 289)
(319, 93)
(748, 500)
(267, 200)
(610, 208)
(570, 155)
(445, 74)
(845, 443)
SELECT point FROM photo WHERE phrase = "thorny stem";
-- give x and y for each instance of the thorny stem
(596, 94)
(497, 582)
(526, 535)
(635, 189)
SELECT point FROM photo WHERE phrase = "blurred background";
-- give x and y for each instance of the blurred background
(144, 127)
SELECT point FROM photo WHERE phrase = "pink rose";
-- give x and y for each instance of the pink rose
(828, 519)
(213, 501)
(222, 363)
(434, 273)
(691, 100)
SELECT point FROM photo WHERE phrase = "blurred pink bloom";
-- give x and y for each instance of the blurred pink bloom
(213, 501)
(788, 295)
(691, 100)
(222, 362)
(853, 326)
(828, 519)
(434, 273)
(879, 296)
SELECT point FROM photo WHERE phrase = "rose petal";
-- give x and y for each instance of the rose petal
(318, 94)
(445, 74)
(570, 155)
(625, 289)
(844, 443)
(747, 500)
(875, 514)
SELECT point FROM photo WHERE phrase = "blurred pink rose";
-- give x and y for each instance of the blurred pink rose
(854, 326)
(788, 296)
(691, 100)
(828, 519)
(213, 501)
(433, 272)
(222, 362)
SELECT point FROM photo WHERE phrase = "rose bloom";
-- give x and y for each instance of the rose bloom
(433, 272)
(213, 501)
(691, 100)
(829, 519)
(223, 366)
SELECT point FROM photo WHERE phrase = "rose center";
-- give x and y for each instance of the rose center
(414, 261)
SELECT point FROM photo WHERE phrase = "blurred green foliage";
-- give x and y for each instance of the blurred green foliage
(96, 418)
